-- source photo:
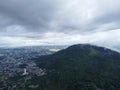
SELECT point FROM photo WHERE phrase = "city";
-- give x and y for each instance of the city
(15, 61)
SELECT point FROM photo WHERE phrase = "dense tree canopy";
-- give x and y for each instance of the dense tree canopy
(82, 67)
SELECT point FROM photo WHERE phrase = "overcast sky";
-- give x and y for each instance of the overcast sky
(60, 22)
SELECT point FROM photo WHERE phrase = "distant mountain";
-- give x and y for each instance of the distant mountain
(81, 67)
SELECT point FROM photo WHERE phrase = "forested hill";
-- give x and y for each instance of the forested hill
(81, 67)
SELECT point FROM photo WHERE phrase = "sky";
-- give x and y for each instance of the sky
(60, 22)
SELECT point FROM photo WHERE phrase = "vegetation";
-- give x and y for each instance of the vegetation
(82, 67)
(79, 67)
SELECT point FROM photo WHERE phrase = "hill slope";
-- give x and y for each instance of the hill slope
(81, 67)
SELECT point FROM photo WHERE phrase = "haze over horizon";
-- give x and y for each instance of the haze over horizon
(60, 22)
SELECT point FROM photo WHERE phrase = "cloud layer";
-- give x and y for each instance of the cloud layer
(52, 22)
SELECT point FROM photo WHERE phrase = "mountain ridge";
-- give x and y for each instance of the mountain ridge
(82, 67)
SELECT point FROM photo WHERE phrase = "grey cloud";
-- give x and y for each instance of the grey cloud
(32, 19)
(37, 15)
(32, 13)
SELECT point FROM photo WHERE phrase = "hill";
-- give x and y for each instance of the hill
(81, 67)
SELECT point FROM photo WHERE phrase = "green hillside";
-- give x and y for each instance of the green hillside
(81, 67)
